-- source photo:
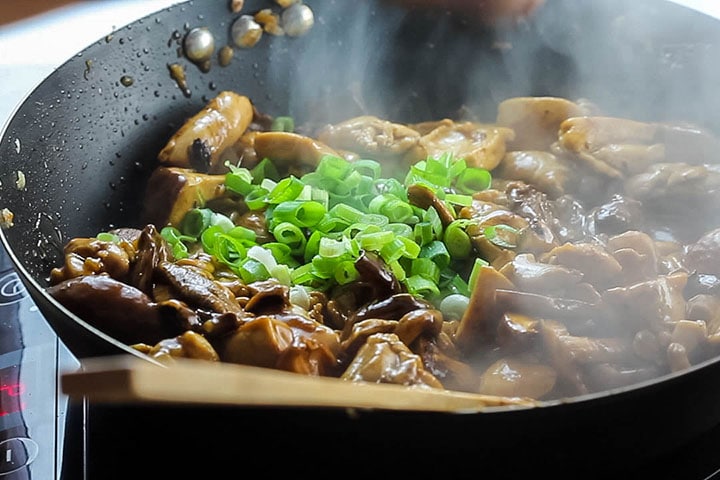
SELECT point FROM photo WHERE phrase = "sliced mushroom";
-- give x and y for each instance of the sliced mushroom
(479, 323)
(199, 143)
(152, 250)
(115, 308)
(197, 289)
(561, 356)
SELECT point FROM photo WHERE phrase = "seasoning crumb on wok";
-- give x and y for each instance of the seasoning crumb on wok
(6, 218)
(20, 181)
(236, 5)
(552, 253)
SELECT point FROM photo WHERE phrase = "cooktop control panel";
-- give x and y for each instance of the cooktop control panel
(32, 408)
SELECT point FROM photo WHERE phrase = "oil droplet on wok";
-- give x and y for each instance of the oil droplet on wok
(225, 55)
(126, 80)
(177, 73)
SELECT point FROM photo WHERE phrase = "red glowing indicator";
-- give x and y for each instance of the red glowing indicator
(10, 398)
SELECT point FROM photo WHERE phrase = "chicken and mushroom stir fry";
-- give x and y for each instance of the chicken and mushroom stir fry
(553, 253)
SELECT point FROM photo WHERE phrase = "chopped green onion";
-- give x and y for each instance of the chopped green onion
(333, 167)
(256, 199)
(347, 213)
(370, 168)
(108, 237)
(251, 270)
(457, 241)
(291, 235)
(501, 235)
(425, 267)
(421, 286)
(456, 199)
(423, 233)
(374, 241)
(282, 124)
(473, 180)
(196, 221)
(437, 252)
(475, 272)
(345, 272)
(264, 169)
(303, 214)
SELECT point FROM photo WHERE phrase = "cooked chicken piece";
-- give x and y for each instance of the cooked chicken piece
(188, 345)
(654, 304)
(287, 342)
(199, 143)
(665, 183)
(426, 323)
(543, 170)
(385, 359)
(370, 136)
(635, 251)
(481, 145)
(535, 120)
(361, 331)
(611, 146)
(514, 377)
(688, 143)
(530, 275)
(171, 192)
(291, 151)
(90, 256)
(598, 267)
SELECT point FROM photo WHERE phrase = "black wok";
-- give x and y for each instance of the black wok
(86, 140)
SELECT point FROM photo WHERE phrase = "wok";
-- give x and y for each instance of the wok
(87, 137)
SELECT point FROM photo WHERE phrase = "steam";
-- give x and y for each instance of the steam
(644, 60)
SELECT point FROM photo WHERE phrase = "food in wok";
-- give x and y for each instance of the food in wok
(552, 253)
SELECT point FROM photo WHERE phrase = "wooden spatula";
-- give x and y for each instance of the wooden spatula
(128, 379)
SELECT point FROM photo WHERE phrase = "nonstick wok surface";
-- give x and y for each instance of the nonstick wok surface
(86, 140)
